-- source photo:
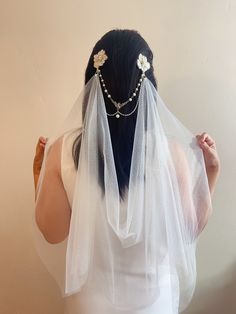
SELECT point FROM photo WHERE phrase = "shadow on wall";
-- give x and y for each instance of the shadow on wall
(218, 297)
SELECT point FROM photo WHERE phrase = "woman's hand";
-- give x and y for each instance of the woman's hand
(208, 147)
(38, 158)
(212, 161)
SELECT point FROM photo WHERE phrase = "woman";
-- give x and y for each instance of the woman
(123, 256)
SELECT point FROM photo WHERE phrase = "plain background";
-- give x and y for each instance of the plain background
(44, 48)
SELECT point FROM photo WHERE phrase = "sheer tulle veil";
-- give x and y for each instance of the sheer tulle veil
(156, 227)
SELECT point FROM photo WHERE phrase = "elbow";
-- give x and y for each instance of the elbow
(53, 240)
(49, 233)
(201, 226)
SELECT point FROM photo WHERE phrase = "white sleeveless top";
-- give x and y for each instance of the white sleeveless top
(89, 300)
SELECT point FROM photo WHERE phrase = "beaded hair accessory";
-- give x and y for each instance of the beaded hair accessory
(142, 63)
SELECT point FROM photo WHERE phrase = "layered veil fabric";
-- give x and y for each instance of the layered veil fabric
(154, 229)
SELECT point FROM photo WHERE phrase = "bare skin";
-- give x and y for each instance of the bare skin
(54, 223)
(212, 161)
(52, 211)
(38, 159)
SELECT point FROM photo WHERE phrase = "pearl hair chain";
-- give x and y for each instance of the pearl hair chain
(117, 104)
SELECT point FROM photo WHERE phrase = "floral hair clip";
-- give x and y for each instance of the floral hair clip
(142, 63)
(99, 59)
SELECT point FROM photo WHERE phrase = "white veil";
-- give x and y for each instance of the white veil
(155, 230)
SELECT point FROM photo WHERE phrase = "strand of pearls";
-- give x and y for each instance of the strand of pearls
(120, 105)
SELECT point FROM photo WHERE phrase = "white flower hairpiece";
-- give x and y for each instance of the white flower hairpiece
(142, 63)
(99, 58)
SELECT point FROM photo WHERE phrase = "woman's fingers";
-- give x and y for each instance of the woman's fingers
(208, 139)
(208, 146)
(42, 141)
(205, 146)
(39, 154)
(204, 139)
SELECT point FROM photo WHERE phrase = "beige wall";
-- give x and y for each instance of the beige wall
(44, 46)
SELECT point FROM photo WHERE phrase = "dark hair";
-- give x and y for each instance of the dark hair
(121, 75)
